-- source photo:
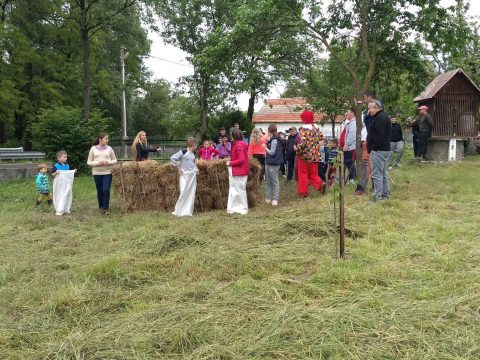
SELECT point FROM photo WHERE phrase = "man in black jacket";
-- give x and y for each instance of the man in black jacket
(378, 146)
(425, 127)
(290, 151)
(396, 143)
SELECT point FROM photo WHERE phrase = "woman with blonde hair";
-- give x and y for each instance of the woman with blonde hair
(140, 147)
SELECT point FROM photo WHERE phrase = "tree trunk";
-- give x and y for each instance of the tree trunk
(332, 119)
(251, 104)
(87, 81)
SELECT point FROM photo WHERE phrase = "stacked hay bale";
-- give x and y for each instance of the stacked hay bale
(147, 185)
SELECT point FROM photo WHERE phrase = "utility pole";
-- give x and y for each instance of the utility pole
(123, 56)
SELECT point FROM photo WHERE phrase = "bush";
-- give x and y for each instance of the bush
(62, 128)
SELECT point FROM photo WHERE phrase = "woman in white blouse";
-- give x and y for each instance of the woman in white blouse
(102, 158)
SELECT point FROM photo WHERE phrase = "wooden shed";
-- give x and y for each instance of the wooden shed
(453, 100)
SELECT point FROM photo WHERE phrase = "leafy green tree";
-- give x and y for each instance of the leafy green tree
(150, 110)
(62, 128)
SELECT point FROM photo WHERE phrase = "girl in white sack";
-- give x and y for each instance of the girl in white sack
(238, 170)
(184, 160)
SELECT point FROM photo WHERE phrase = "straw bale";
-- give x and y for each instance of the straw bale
(149, 186)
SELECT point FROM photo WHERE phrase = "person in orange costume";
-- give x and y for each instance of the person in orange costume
(308, 155)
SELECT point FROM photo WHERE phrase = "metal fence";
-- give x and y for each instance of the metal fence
(168, 148)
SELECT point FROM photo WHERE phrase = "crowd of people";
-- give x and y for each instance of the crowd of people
(303, 155)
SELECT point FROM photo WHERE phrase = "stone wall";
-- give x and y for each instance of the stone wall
(438, 150)
(17, 171)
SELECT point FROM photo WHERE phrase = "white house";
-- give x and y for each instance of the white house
(285, 113)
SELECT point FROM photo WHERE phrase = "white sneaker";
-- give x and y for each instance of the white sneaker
(268, 201)
(58, 213)
(274, 203)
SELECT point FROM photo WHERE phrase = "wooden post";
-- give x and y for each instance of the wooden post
(123, 188)
(342, 207)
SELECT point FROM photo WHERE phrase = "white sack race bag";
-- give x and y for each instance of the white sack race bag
(237, 194)
(62, 191)
(188, 189)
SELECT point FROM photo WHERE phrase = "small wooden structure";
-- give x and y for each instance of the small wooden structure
(453, 100)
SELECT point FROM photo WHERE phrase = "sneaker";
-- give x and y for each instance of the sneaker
(58, 213)
(268, 201)
(389, 168)
(274, 203)
(359, 192)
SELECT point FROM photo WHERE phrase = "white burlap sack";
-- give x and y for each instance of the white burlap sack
(188, 188)
(237, 194)
(62, 191)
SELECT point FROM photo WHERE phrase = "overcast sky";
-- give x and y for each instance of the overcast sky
(168, 62)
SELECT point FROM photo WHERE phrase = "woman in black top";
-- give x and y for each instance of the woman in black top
(140, 147)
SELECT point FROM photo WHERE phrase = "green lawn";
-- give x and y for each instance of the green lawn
(264, 286)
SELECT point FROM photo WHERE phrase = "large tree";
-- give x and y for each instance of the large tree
(367, 31)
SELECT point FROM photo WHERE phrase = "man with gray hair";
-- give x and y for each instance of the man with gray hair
(378, 145)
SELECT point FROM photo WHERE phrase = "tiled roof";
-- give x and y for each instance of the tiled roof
(286, 110)
(439, 82)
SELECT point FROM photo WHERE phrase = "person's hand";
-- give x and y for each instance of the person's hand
(264, 146)
(159, 149)
(345, 148)
(180, 171)
(228, 163)
(74, 171)
(295, 147)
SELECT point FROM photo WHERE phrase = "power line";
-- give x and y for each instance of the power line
(169, 61)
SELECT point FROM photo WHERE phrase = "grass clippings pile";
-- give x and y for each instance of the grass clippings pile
(149, 185)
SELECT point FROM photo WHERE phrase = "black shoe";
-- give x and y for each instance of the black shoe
(37, 204)
(49, 202)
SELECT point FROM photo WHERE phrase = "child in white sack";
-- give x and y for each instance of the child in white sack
(62, 184)
(184, 160)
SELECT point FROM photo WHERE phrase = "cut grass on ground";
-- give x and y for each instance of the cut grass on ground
(262, 286)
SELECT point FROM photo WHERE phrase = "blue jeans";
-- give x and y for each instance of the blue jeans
(379, 174)
(103, 182)
(350, 164)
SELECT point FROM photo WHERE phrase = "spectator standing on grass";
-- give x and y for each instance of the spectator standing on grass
(331, 168)
(238, 170)
(224, 148)
(140, 147)
(102, 158)
(208, 151)
(184, 161)
(256, 149)
(396, 143)
(273, 160)
(283, 141)
(425, 127)
(378, 145)
(221, 134)
(350, 142)
(365, 165)
(290, 151)
(308, 155)
(323, 164)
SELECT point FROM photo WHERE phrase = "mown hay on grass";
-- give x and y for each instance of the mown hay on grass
(147, 185)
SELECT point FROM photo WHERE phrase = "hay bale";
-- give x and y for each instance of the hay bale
(148, 186)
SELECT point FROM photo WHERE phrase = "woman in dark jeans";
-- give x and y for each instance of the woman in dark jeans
(102, 158)
(140, 147)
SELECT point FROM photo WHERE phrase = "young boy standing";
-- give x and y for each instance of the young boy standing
(43, 185)
(184, 160)
(62, 184)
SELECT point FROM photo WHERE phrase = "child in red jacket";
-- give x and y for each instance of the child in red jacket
(238, 170)
(208, 152)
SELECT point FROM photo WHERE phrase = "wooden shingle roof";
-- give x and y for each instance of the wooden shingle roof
(439, 82)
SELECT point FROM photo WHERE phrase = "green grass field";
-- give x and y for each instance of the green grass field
(264, 286)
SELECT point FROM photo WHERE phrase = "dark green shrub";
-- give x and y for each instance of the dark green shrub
(62, 128)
